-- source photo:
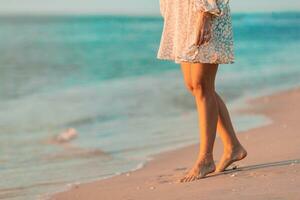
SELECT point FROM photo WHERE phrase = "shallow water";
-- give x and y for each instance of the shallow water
(99, 75)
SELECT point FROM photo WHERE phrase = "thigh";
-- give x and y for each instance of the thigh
(203, 74)
(186, 72)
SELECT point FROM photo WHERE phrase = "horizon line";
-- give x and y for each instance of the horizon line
(29, 14)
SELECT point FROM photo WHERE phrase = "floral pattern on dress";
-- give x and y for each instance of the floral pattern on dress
(181, 20)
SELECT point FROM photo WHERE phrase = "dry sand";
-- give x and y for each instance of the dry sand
(270, 172)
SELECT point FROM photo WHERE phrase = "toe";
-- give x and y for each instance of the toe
(193, 178)
(189, 178)
(183, 179)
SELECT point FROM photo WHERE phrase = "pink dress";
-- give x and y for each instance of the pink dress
(180, 30)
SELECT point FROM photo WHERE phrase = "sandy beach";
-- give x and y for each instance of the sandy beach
(270, 171)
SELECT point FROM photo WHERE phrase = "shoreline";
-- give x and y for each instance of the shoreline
(132, 185)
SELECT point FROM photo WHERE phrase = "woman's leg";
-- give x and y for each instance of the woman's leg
(186, 72)
(202, 80)
(233, 150)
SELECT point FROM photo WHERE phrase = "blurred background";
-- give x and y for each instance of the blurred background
(83, 97)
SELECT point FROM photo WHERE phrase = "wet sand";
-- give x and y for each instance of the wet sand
(270, 171)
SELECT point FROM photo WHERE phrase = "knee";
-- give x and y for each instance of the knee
(189, 87)
(202, 88)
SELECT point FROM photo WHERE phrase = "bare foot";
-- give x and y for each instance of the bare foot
(230, 157)
(200, 170)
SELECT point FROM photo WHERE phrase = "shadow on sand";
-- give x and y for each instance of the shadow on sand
(258, 166)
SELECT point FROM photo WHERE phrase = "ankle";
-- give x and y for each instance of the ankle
(205, 158)
(233, 148)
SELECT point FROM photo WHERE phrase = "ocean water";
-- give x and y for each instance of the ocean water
(100, 76)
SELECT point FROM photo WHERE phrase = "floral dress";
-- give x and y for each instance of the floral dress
(180, 31)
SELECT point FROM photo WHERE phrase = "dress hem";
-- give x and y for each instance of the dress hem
(203, 62)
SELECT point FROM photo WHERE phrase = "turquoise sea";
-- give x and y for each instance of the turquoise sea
(99, 75)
